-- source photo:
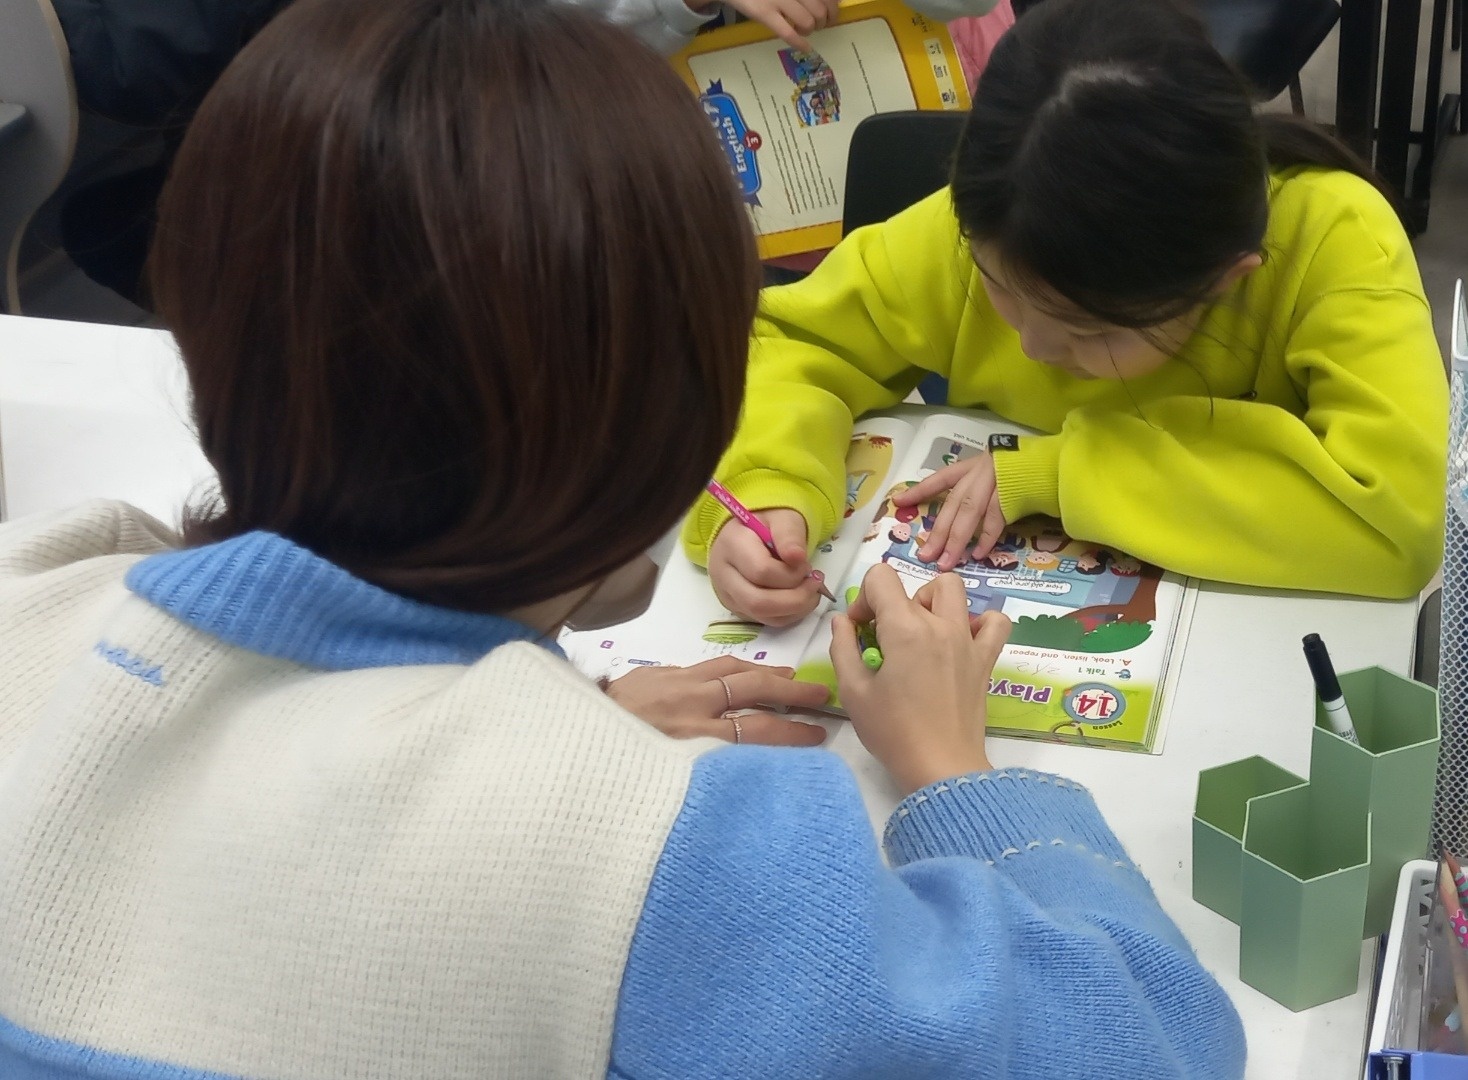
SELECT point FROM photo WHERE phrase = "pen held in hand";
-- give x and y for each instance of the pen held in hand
(760, 529)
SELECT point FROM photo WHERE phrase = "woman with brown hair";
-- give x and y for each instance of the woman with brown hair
(463, 291)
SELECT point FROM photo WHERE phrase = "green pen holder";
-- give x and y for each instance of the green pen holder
(1390, 775)
(1308, 868)
(1302, 898)
(1218, 828)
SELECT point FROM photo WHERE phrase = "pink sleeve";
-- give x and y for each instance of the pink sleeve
(975, 37)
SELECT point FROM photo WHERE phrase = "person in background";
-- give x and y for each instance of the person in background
(975, 35)
(976, 26)
(1211, 317)
(147, 66)
(308, 791)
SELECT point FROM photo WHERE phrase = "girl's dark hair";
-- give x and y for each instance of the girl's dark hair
(1114, 159)
(464, 291)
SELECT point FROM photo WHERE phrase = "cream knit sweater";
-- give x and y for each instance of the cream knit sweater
(259, 818)
(370, 873)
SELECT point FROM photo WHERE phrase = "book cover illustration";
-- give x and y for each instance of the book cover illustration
(1094, 628)
(784, 116)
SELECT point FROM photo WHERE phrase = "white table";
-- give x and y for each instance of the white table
(88, 411)
(100, 411)
(1243, 689)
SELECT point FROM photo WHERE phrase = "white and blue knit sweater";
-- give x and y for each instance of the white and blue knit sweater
(261, 819)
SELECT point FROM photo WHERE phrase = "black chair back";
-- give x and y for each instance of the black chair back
(896, 159)
(1267, 40)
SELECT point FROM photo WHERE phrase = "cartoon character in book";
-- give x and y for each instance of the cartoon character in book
(889, 511)
(1126, 566)
(1042, 561)
(1034, 560)
(867, 460)
(1000, 558)
(905, 542)
(816, 97)
(1096, 585)
(1050, 539)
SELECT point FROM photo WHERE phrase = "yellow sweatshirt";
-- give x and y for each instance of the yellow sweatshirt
(1297, 440)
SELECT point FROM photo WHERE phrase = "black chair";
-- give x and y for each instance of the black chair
(896, 159)
(1428, 650)
(1269, 41)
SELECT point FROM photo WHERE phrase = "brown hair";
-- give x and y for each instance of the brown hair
(464, 291)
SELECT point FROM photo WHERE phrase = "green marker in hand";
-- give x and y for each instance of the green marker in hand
(866, 635)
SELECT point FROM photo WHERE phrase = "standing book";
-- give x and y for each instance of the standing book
(1098, 635)
(784, 116)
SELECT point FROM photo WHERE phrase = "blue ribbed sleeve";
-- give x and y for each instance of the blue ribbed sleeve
(1010, 938)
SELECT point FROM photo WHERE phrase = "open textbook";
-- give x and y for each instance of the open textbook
(784, 116)
(1097, 634)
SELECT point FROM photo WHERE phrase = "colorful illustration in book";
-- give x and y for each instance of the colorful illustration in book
(1106, 600)
(1094, 630)
(817, 99)
(741, 144)
(867, 461)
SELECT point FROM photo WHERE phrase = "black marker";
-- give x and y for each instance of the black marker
(1329, 689)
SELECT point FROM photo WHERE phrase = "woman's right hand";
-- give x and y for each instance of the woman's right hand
(752, 583)
(923, 713)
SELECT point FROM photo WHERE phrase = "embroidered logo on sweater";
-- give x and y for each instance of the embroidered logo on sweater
(131, 663)
(1003, 440)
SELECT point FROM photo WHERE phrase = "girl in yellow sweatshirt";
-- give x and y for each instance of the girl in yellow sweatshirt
(1213, 318)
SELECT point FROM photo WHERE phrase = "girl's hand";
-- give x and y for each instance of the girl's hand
(923, 713)
(685, 703)
(752, 583)
(788, 20)
(970, 511)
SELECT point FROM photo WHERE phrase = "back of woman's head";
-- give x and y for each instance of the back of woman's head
(1113, 158)
(463, 289)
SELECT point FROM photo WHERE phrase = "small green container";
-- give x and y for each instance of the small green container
(1218, 827)
(1390, 775)
(1303, 890)
(1308, 870)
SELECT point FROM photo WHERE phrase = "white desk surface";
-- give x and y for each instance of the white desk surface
(90, 411)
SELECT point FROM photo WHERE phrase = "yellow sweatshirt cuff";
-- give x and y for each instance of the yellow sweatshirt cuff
(762, 489)
(1029, 477)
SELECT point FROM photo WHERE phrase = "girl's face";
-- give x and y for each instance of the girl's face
(1059, 335)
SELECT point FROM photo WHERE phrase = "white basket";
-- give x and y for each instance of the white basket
(1398, 1008)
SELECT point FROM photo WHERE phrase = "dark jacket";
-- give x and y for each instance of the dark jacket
(150, 62)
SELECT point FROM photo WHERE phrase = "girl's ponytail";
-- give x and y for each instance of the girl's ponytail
(1293, 140)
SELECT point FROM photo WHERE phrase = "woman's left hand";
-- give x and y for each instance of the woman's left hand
(970, 511)
(718, 698)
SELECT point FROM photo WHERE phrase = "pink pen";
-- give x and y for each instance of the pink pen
(759, 528)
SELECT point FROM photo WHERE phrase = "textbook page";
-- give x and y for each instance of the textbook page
(1097, 634)
(1094, 628)
(784, 116)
